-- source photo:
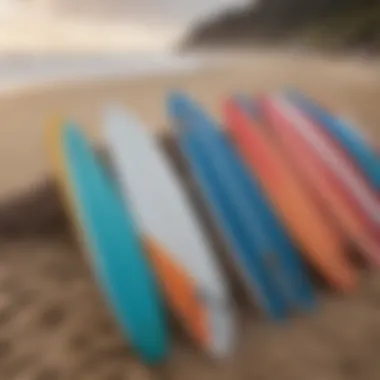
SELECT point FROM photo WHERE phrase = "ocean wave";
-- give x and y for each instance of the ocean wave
(20, 71)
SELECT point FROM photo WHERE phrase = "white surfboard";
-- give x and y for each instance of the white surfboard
(183, 260)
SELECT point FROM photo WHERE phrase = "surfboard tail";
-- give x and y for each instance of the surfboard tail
(316, 236)
(204, 316)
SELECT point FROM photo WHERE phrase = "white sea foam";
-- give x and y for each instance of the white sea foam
(19, 72)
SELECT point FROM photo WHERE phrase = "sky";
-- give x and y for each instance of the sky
(44, 26)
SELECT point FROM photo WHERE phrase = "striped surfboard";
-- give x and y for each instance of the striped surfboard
(320, 176)
(346, 178)
(353, 142)
(316, 236)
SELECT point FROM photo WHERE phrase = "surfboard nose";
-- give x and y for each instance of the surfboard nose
(205, 313)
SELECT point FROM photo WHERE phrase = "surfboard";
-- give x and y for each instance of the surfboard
(319, 179)
(190, 275)
(354, 142)
(242, 211)
(347, 180)
(236, 229)
(316, 236)
(106, 230)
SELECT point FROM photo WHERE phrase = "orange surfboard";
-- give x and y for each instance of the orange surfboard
(319, 179)
(316, 235)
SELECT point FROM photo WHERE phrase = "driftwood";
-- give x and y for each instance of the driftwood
(36, 212)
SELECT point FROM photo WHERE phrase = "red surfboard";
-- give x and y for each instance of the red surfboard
(320, 179)
(316, 235)
(344, 176)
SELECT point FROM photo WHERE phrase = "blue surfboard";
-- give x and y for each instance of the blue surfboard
(290, 274)
(108, 231)
(352, 141)
(301, 292)
(219, 173)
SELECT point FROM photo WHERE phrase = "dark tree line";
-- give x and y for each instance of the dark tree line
(329, 23)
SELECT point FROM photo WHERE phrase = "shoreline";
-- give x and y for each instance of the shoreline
(28, 72)
(350, 87)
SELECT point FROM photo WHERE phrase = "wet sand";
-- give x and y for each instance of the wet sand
(53, 321)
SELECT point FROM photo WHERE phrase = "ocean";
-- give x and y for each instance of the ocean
(45, 41)
(21, 71)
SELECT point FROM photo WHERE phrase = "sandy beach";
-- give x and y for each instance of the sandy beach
(53, 322)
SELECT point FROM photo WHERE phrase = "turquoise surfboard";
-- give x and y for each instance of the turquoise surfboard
(110, 237)
(352, 140)
(223, 188)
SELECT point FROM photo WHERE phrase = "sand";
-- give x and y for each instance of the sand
(53, 321)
